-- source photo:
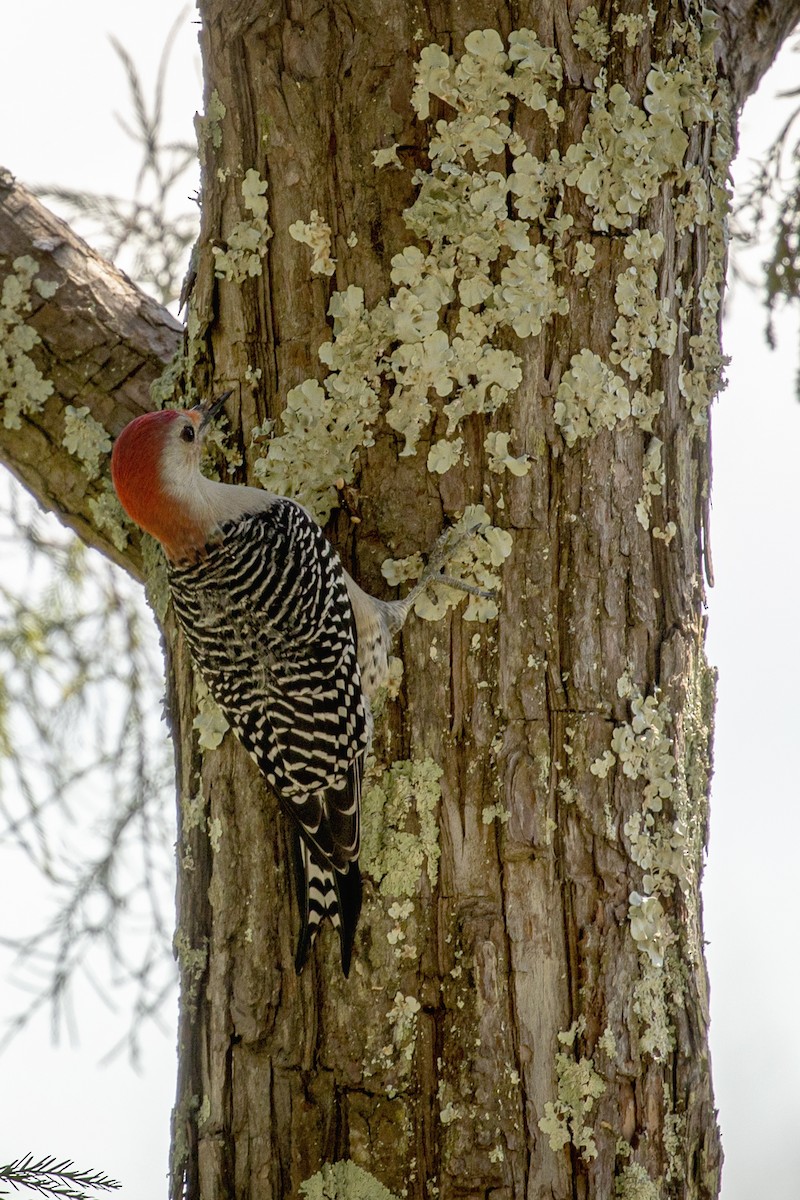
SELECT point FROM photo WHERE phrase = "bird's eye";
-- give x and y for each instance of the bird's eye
(187, 433)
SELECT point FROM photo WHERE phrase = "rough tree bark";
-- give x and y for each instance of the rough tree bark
(532, 1021)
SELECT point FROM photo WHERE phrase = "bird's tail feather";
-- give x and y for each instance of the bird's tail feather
(323, 892)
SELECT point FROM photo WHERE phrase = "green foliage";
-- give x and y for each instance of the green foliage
(770, 209)
(49, 1177)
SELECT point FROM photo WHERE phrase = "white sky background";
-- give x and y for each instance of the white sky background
(60, 84)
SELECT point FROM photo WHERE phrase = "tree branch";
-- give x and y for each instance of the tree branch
(102, 344)
(752, 32)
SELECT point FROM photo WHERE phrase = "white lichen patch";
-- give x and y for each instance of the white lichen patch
(444, 454)
(247, 241)
(500, 458)
(578, 1086)
(86, 438)
(649, 926)
(386, 157)
(402, 1018)
(210, 722)
(584, 258)
(397, 1034)
(653, 481)
(208, 128)
(214, 833)
(23, 388)
(316, 234)
(344, 1180)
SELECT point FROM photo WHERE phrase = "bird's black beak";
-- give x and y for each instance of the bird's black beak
(209, 409)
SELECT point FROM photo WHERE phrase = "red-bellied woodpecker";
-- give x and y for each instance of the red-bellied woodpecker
(290, 647)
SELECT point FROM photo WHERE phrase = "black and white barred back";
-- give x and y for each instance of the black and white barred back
(270, 626)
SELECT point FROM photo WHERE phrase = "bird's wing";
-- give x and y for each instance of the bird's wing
(269, 623)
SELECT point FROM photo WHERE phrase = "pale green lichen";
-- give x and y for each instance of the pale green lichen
(156, 579)
(402, 1019)
(584, 258)
(528, 295)
(316, 234)
(590, 35)
(478, 549)
(400, 832)
(394, 1058)
(193, 811)
(208, 128)
(444, 454)
(247, 241)
(210, 722)
(664, 838)
(109, 516)
(694, 206)
(344, 1180)
(23, 388)
(701, 378)
(86, 438)
(386, 157)
(175, 379)
(192, 961)
(625, 152)
(644, 323)
(497, 244)
(214, 833)
(631, 26)
(674, 1139)
(633, 1183)
(656, 1033)
(406, 342)
(607, 1042)
(657, 844)
(653, 481)
(500, 459)
(590, 397)
(495, 812)
(578, 1086)
(649, 926)
(326, 426)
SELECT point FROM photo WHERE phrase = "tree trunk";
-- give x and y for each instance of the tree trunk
(535, 1023)
(527, 1011)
